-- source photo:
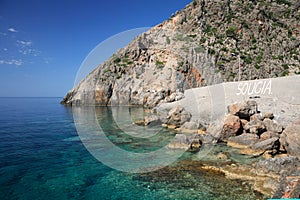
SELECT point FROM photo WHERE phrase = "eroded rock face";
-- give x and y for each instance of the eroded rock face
(177, 54)
(290, 139)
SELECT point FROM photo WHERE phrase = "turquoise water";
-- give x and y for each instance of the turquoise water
(42, 157)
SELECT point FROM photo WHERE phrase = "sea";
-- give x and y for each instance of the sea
(43, 156)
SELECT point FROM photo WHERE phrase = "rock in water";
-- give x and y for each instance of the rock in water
(178, 116)
(242, 141)
(268, 144)
(192, 127)
(189, 142)
(152, 120)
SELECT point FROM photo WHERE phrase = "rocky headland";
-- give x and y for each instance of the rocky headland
(217, 73)
(206, 43)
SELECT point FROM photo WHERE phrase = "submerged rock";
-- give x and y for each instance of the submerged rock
(277, 165)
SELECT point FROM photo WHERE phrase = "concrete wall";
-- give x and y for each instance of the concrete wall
(278, 95)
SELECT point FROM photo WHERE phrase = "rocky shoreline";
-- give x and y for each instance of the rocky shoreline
(276, 171)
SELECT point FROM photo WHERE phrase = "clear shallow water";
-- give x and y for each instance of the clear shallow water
(42, 157)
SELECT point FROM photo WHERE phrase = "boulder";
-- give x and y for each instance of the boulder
(189, 142)
(152, 120)
(177, 116)
(267, 135)
(192, 127)
(255, 127)
(213, 133)
(207, 139)
(257, 116)
(272, 125)
(231, 127)
(242, 141)
(244, 110)
(290, 139)
(277, 165)
(268, 144)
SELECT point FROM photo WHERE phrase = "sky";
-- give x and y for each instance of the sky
(44, 42)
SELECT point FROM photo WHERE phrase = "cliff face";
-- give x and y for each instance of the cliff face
(201, 45)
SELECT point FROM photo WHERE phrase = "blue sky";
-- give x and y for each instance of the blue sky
(44, 42)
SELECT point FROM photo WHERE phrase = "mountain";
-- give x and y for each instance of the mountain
(207, 42)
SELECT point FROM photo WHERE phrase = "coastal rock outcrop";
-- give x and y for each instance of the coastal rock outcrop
(152, 120)
(206, 43)
(191, 127)
(177, 116)
(244, 140)
(244, 109)
(256, 133)
(190, 142)
(231, 127)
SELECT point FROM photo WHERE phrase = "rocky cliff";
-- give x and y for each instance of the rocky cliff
(207, 42)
